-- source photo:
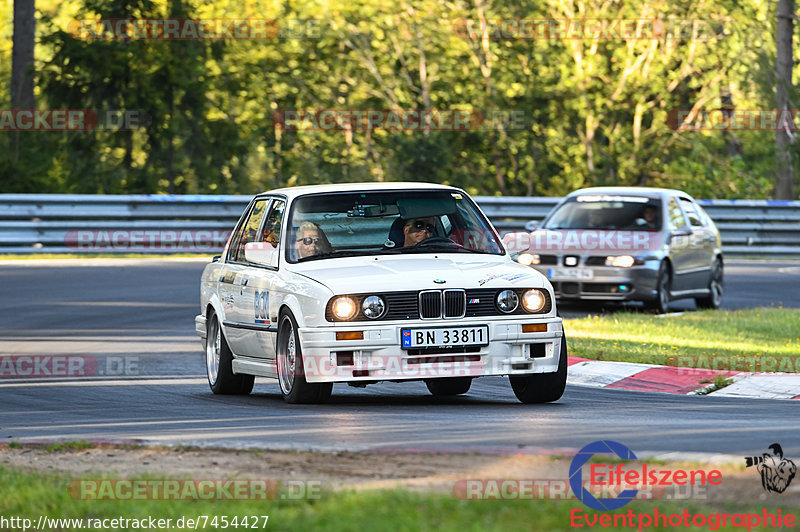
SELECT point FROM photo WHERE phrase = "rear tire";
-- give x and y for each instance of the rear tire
(219, 363)
(449, 386)
(715, 288)
(542, 387)
(289, 361)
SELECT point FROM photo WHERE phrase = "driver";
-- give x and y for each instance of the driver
(310, 241)
(418, 229)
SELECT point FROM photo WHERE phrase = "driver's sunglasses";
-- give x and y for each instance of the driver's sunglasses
(419, 226)
(308, 240)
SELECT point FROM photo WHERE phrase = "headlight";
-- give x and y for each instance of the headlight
(526, 259)
(344, 308)
(507, 301)
(373, 307)
(534, 300)
(623, 261)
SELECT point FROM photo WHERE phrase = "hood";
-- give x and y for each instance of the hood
(399, 273)
(594, 241)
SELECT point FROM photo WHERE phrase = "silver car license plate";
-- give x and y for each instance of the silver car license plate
(580, 274)
(444, 336)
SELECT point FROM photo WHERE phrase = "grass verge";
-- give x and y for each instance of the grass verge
(760, 339)
(30, 495)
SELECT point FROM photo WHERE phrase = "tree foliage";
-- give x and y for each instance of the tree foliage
(561, 113)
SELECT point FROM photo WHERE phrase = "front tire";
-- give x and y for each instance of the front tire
(663, 287)
(289, 361)
(715, 288)
(448, 386)
(542, 387)
(219, 364)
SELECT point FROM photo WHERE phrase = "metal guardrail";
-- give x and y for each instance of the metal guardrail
(54, 223)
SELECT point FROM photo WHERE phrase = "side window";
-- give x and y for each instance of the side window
(248, 231)
(691, 211)
(675, 215)
(271, 232)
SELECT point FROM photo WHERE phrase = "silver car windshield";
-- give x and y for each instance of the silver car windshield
(322, 226)
(604, 212)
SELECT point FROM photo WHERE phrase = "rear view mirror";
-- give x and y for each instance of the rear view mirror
(262, 253)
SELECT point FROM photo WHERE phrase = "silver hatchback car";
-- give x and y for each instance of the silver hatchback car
(629, 244)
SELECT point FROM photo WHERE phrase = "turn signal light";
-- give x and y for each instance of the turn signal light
(349, 335)
(534, 327)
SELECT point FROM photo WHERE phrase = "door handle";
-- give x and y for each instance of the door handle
(244, 282)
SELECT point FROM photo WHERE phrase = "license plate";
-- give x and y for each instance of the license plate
(570, 273)
(444, 336)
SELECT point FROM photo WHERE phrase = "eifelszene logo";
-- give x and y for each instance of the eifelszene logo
(618, 483)
(776, 471)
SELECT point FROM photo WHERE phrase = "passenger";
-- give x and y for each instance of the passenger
(310, 241)
(418, 229)
(649, 219)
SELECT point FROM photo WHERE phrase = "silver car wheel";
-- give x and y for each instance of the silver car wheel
(716, 285)
(287, 359)
(213, 346)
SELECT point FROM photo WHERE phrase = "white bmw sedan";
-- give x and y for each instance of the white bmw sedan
(361, 283)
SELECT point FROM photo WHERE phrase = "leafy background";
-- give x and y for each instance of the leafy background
(595, 110)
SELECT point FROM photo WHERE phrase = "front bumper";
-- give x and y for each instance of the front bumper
(637, 283)
(379, 357)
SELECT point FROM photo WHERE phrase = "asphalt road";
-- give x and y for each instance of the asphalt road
(132, 322)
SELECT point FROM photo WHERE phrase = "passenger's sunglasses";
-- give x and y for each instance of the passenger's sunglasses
(419, 226)
(308, 240)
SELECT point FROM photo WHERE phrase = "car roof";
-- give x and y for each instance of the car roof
(630, 191)
(293, 192)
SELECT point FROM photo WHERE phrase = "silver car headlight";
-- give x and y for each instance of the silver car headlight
(528, 259)
(373, 307)
(622, 261)
(507, 301)
(534, 300)
(344, 308)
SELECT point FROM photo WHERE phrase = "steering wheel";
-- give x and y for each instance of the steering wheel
(438, 240)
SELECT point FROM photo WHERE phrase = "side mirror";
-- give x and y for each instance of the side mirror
(533, 225)
(683, 230)
(517, 242)
(261, 253)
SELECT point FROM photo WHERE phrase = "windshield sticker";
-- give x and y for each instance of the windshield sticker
(629, 199)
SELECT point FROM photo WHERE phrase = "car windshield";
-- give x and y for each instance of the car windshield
(607, 212)
(322, 226)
